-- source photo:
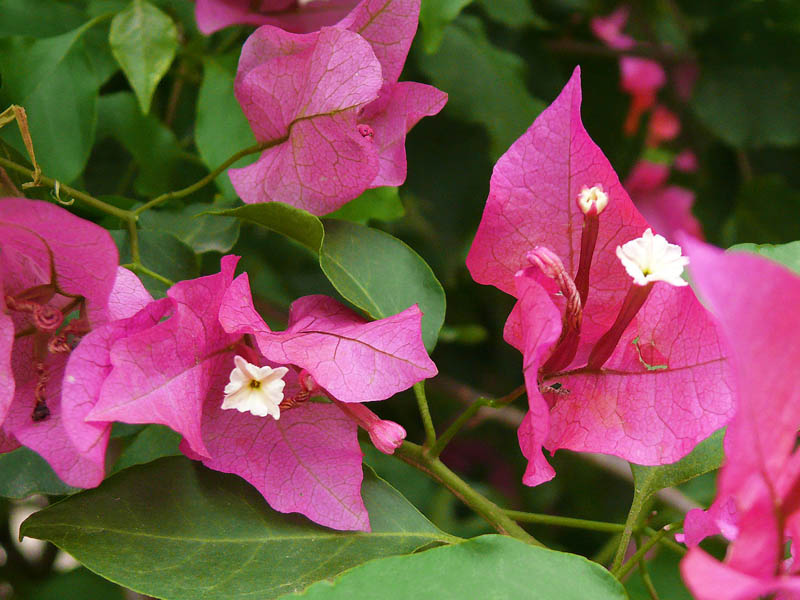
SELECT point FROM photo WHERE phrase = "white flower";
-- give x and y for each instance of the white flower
(592, 199)
(257, 390)
(651, 258)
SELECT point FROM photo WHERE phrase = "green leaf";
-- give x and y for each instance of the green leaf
(380, 204)
(513, 13)
(56, 80)
(176, 530)
(466, 49)
(78, 583)
(761, 208)
(381, 275)
(434, 16)
(706, 457)
(153, 146)
(490, 566)
(160, 252)
(192, 225)
(23, 472)
(151, 443)
(295, 223)
(222, 129)
(144, 40)
(38, 18)
(734, 103)
(786, 254)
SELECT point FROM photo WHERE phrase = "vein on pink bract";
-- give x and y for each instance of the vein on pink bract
(665, 387)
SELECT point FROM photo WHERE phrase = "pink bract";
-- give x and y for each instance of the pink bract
(609, 29)
(213, 15)
(329, 107)
(51, 260)
(173, 370)
(664, 387)
(754, 300)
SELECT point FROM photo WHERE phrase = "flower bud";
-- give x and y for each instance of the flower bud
(592, 200)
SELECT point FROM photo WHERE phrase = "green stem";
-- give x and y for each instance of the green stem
(425, 413)
(631, 525)
(455, 427)
(133, 233)
(416, 456)
(527, 517)
(467, 414)
(648, 583)
(667, 542)
(623, 570)
(139, 268)
(125, 215)
(205, 180)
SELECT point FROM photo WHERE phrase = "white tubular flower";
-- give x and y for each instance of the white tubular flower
(592, 200)
(257, 390)
(651, 258)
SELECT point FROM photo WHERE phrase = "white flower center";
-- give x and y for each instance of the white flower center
(592, 197)
(257, 390)
(651, 258)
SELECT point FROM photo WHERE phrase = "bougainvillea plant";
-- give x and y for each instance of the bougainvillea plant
(244, 352)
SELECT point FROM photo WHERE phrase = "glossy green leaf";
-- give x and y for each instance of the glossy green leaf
(23, 472)
(144, 40)
(176, 530)
(379, 204)
(192, 225)
(786, 254)
(706, 456)
(222, 129)
(80, 584)
(490, 567)
(51, 18)
(151, 443)
(475, 98)
(381, 275)
(434, 16)
(153, 146)
(56, 80)
(160, 252)
(295, 223)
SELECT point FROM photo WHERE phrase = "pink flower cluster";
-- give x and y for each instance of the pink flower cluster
(168, 361)
(633, 369)
(667, 208)
(329, 107)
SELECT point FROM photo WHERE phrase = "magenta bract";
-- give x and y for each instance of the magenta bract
(330, 107)
(291, 15)
(663, 389)
(173, 371)
(59, 280)
(755, 301)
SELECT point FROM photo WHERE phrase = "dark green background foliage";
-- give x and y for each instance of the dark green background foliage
(127, 100)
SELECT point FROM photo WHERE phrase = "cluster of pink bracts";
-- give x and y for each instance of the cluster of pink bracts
(639, 370)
